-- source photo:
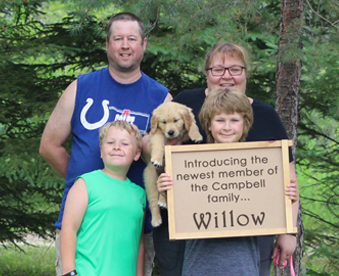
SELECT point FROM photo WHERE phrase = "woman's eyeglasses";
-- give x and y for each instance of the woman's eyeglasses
(220, 71)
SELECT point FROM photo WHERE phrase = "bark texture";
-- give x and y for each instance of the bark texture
(287, 93)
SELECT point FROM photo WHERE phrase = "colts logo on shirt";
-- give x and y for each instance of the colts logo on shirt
(138, 118)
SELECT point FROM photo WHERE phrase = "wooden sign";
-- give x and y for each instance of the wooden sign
(229, 190)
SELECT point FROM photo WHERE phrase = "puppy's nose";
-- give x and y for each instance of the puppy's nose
(170, 132)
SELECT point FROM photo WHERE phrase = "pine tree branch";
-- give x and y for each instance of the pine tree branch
(318, 200)
(313, 215)
(320, 16)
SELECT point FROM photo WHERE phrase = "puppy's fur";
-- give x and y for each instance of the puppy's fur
(170, 120)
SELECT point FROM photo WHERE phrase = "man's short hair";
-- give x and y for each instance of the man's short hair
(127, 16)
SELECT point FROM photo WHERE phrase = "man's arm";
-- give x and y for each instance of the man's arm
(57, 131)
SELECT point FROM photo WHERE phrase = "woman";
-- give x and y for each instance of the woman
(226, 65)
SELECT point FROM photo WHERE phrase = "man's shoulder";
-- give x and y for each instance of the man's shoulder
(152, 81)
(93, 74)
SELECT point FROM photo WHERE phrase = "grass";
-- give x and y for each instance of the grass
(39, 261)
(34, 261)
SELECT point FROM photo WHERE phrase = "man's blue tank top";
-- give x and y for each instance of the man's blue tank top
(101, 99)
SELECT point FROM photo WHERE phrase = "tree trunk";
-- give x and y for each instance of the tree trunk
(287, 91)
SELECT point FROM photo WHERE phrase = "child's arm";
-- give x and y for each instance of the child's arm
(286, 243)
(292, 191)
(75, 208)
(164, 183)
(141, 252)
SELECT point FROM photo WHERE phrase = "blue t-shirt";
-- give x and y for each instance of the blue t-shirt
(101, 99)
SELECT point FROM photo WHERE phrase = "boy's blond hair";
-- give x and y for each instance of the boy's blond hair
(130, 128)
(228, 101)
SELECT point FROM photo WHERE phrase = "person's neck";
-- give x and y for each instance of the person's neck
(116, 174)
(125, 78)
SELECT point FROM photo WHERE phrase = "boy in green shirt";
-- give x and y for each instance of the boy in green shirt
(102, 227)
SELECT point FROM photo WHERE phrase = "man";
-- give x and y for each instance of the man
(120, 92)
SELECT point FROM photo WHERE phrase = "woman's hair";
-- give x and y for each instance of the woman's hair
(227, 49)
(125, 16)
(130, 128)
(228, 101)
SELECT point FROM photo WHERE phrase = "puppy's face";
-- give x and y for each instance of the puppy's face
(171, 119)
(171, 126)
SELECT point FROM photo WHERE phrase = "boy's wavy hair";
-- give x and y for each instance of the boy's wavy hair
(130, 128)
(228, 101)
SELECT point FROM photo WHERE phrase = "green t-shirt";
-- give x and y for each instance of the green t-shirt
(109, 235)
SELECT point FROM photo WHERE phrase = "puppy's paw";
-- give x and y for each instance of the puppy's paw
(156, 221)
(162, 201)
(162, 204)
(197, 139)
(156, 163)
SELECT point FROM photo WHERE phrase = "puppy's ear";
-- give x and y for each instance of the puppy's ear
(186, 114)
(154, 124)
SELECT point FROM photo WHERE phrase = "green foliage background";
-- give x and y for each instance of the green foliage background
(44, 45)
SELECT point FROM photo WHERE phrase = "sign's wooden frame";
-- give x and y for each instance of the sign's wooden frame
(280, 146)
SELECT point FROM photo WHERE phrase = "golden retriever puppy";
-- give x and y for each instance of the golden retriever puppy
(170, 120)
